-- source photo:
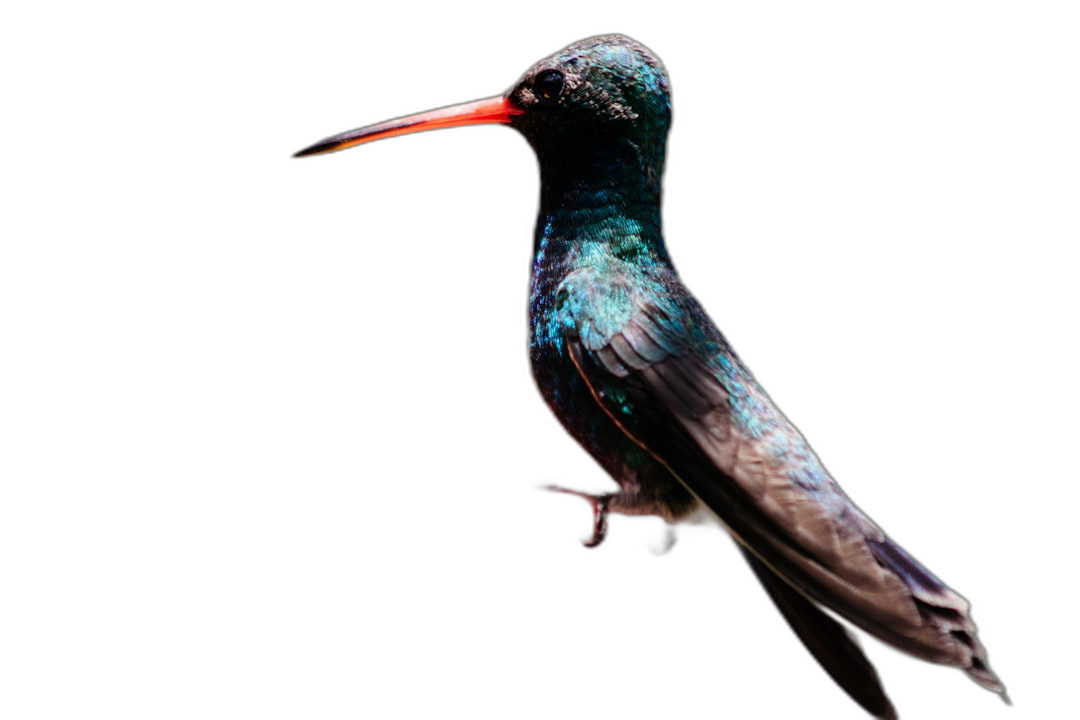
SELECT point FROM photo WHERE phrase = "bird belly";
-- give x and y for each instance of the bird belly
(647, 487)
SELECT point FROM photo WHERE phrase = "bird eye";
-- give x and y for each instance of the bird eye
(548, 84)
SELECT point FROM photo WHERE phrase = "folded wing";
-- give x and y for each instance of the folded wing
(666, 376)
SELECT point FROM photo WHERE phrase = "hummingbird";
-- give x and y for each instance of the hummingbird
(638, 374)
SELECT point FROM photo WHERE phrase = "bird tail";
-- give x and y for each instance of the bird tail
(828, 641)
(940, 607)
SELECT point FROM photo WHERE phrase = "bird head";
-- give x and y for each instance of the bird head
(603, 95)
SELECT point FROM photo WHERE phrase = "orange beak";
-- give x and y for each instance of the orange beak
(489, 110)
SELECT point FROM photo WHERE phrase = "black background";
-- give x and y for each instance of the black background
(839, 197)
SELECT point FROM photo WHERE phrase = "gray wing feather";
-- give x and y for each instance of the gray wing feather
(646, 368)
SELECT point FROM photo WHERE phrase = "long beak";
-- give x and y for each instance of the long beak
(489, 110)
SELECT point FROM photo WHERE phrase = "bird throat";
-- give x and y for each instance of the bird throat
(601, 210)
(602, 199)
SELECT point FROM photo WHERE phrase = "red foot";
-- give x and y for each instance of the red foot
(600, 510)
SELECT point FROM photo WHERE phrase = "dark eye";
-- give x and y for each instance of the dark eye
(548, 84)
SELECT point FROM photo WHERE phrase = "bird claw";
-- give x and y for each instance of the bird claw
(668, 542)
(599, 504)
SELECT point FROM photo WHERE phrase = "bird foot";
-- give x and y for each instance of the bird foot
(667, 543)
(599, 504)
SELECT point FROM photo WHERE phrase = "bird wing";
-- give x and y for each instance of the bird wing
(665, 375)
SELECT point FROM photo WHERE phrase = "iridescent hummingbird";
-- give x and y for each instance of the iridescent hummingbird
(638, 374)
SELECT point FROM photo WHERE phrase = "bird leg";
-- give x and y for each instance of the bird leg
(668, 542)
(598, 502)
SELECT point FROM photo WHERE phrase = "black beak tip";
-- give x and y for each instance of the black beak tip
(313, 150)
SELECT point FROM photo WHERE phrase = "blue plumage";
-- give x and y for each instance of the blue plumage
(641, 377)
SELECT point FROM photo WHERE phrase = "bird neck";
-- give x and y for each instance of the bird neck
(607, 204)
(596, 211)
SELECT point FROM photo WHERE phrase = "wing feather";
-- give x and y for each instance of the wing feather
(669, 380)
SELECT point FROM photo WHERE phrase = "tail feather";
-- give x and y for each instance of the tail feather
(941, 607)
(831, 645)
